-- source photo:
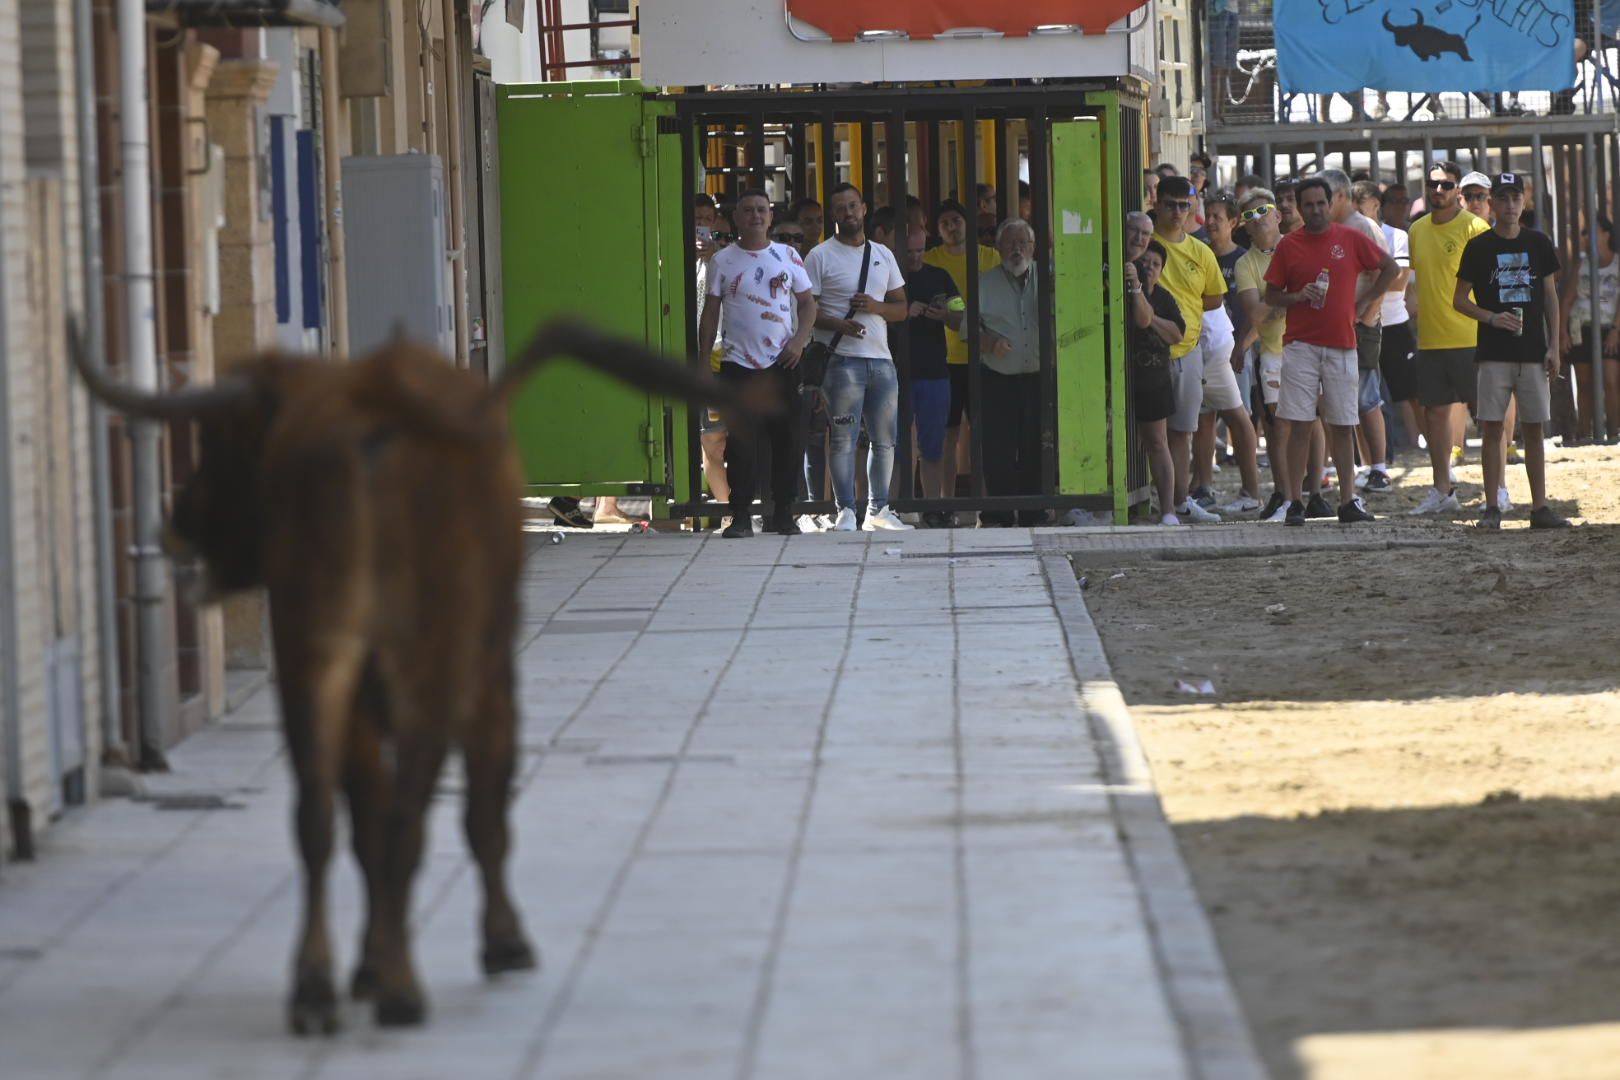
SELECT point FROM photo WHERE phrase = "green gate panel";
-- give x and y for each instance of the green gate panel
(1079, 227)
(580, 188)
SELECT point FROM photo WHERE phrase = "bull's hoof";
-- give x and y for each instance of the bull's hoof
(400, 1010)
(516, 955)
(313, 1009)
(363, 983)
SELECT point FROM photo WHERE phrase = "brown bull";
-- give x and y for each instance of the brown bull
(379, 504)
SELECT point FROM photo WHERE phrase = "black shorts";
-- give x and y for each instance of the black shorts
(1582, 353)
(1447, 377)
(1398, 360)
(959, 396)
(1153, 401)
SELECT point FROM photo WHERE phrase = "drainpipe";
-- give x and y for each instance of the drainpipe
(151, 578)
(452, 162)
(337, 283)
(95, 345)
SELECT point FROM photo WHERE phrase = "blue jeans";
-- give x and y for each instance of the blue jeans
(861, 389)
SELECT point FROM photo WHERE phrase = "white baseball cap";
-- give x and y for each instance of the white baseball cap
(1476, 179)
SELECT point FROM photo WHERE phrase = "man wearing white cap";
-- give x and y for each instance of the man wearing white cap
(1476, 195)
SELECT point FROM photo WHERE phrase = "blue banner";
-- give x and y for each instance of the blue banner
(1324, 46)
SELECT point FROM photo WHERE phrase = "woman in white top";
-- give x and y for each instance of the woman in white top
(1576, 301)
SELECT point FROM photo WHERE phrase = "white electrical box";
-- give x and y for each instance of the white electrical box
(397, 256)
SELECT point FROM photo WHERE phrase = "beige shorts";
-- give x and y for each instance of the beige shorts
(1270, 377)
(1527, 382)
(1316, 372)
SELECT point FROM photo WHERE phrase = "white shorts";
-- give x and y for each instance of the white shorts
(1219, 380)
(1316, 372)
(1270, 377)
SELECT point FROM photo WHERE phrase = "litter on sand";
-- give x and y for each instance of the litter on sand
(1276, 609)
(891, 551)
(1201, 689)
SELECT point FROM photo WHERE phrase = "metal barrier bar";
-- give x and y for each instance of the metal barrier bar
(969, 150)
(894, 174)
(1040, 191)
(1600, 426)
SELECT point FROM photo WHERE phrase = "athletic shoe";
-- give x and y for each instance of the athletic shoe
(786, 525)
(884, 519)
(567, 511)
(1513, 456)
(1503, 503)
(1204, 497)
(1436, 503)
(846, 520)
(1243, 504)
(824, 522)
(1316, 507)
(1545, 517)
(739, 529)
(1169, 519)
(809, 523)
(1377, 482)
(1279, 514)
(1295, 514)
(1353, 511)
(1278, 501)
(1490, 518)
(1191, 509)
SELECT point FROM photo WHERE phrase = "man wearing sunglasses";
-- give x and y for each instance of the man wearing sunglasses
(1446, 338)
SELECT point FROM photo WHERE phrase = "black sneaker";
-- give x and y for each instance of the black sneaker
(739, 528)
(1490, 518)
(1273, 504)
(1353, 511)
(784, 526)
(1296, 514)
(1317, 507)
(1377, 482)
(567, 511)
(1545, 517)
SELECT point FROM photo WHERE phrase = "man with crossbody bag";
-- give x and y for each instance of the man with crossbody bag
(861, 384)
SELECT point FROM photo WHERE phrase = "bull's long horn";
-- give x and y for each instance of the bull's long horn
(188, 404)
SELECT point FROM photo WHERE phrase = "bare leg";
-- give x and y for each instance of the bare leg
(1203, 452)
(714, 465)
(1274, 451)
(1240, 429)
(1459, 426)
(1315, 457)
(933, 482)
(1611, 397)
(1493, 456)
(1294, 443)
(1181, 462)
(1372, 431)
(947, 472)
(1409, 420)
(1155, 440)
(1439, 432)
(1343, 439)
(1535, 464)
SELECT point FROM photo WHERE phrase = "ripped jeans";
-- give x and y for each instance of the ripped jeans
(861, 389)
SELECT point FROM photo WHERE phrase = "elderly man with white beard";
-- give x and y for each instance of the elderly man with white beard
(1010, 346)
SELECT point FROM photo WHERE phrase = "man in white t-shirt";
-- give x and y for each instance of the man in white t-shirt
(861, 384)
(758, 284)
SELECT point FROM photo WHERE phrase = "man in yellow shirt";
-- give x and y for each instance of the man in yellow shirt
(951, 256)
(1446, 338)
(1199, 376)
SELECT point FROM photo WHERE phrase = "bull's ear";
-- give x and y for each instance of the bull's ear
(192, 403)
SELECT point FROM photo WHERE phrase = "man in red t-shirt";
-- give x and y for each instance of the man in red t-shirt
(1319, 341)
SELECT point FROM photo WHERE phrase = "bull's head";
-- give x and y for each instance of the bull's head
(217, 518)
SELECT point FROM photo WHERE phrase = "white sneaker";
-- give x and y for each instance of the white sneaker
(824, 522)
(1191, 509)
(884, 519)
(1503, 503)
(1437, 503)
(1243, 504)
(1169, 519)
(1279, 515)
(811, 523)
(845, 522)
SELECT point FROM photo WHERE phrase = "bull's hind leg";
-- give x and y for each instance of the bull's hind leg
(369, 791)
(317, 686)
(420, 751)
(490, 750)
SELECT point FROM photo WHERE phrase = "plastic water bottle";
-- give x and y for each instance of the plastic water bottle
(1322, 282)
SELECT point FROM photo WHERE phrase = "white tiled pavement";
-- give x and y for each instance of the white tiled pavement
(787, 809)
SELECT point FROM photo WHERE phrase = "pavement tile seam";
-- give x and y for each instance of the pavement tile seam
(535, 1050)
(759, 1010)
(967, 1048)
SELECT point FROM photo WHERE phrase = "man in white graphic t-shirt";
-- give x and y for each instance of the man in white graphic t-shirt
(759, 284)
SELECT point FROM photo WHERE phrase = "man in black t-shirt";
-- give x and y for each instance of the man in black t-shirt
(1512, 273)
(935, 305)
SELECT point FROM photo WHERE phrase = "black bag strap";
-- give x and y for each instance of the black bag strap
(860, 287)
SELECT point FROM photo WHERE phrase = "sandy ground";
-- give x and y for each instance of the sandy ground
(1402, 807)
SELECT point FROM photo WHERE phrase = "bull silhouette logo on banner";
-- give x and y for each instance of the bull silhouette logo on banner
(1324, 46)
